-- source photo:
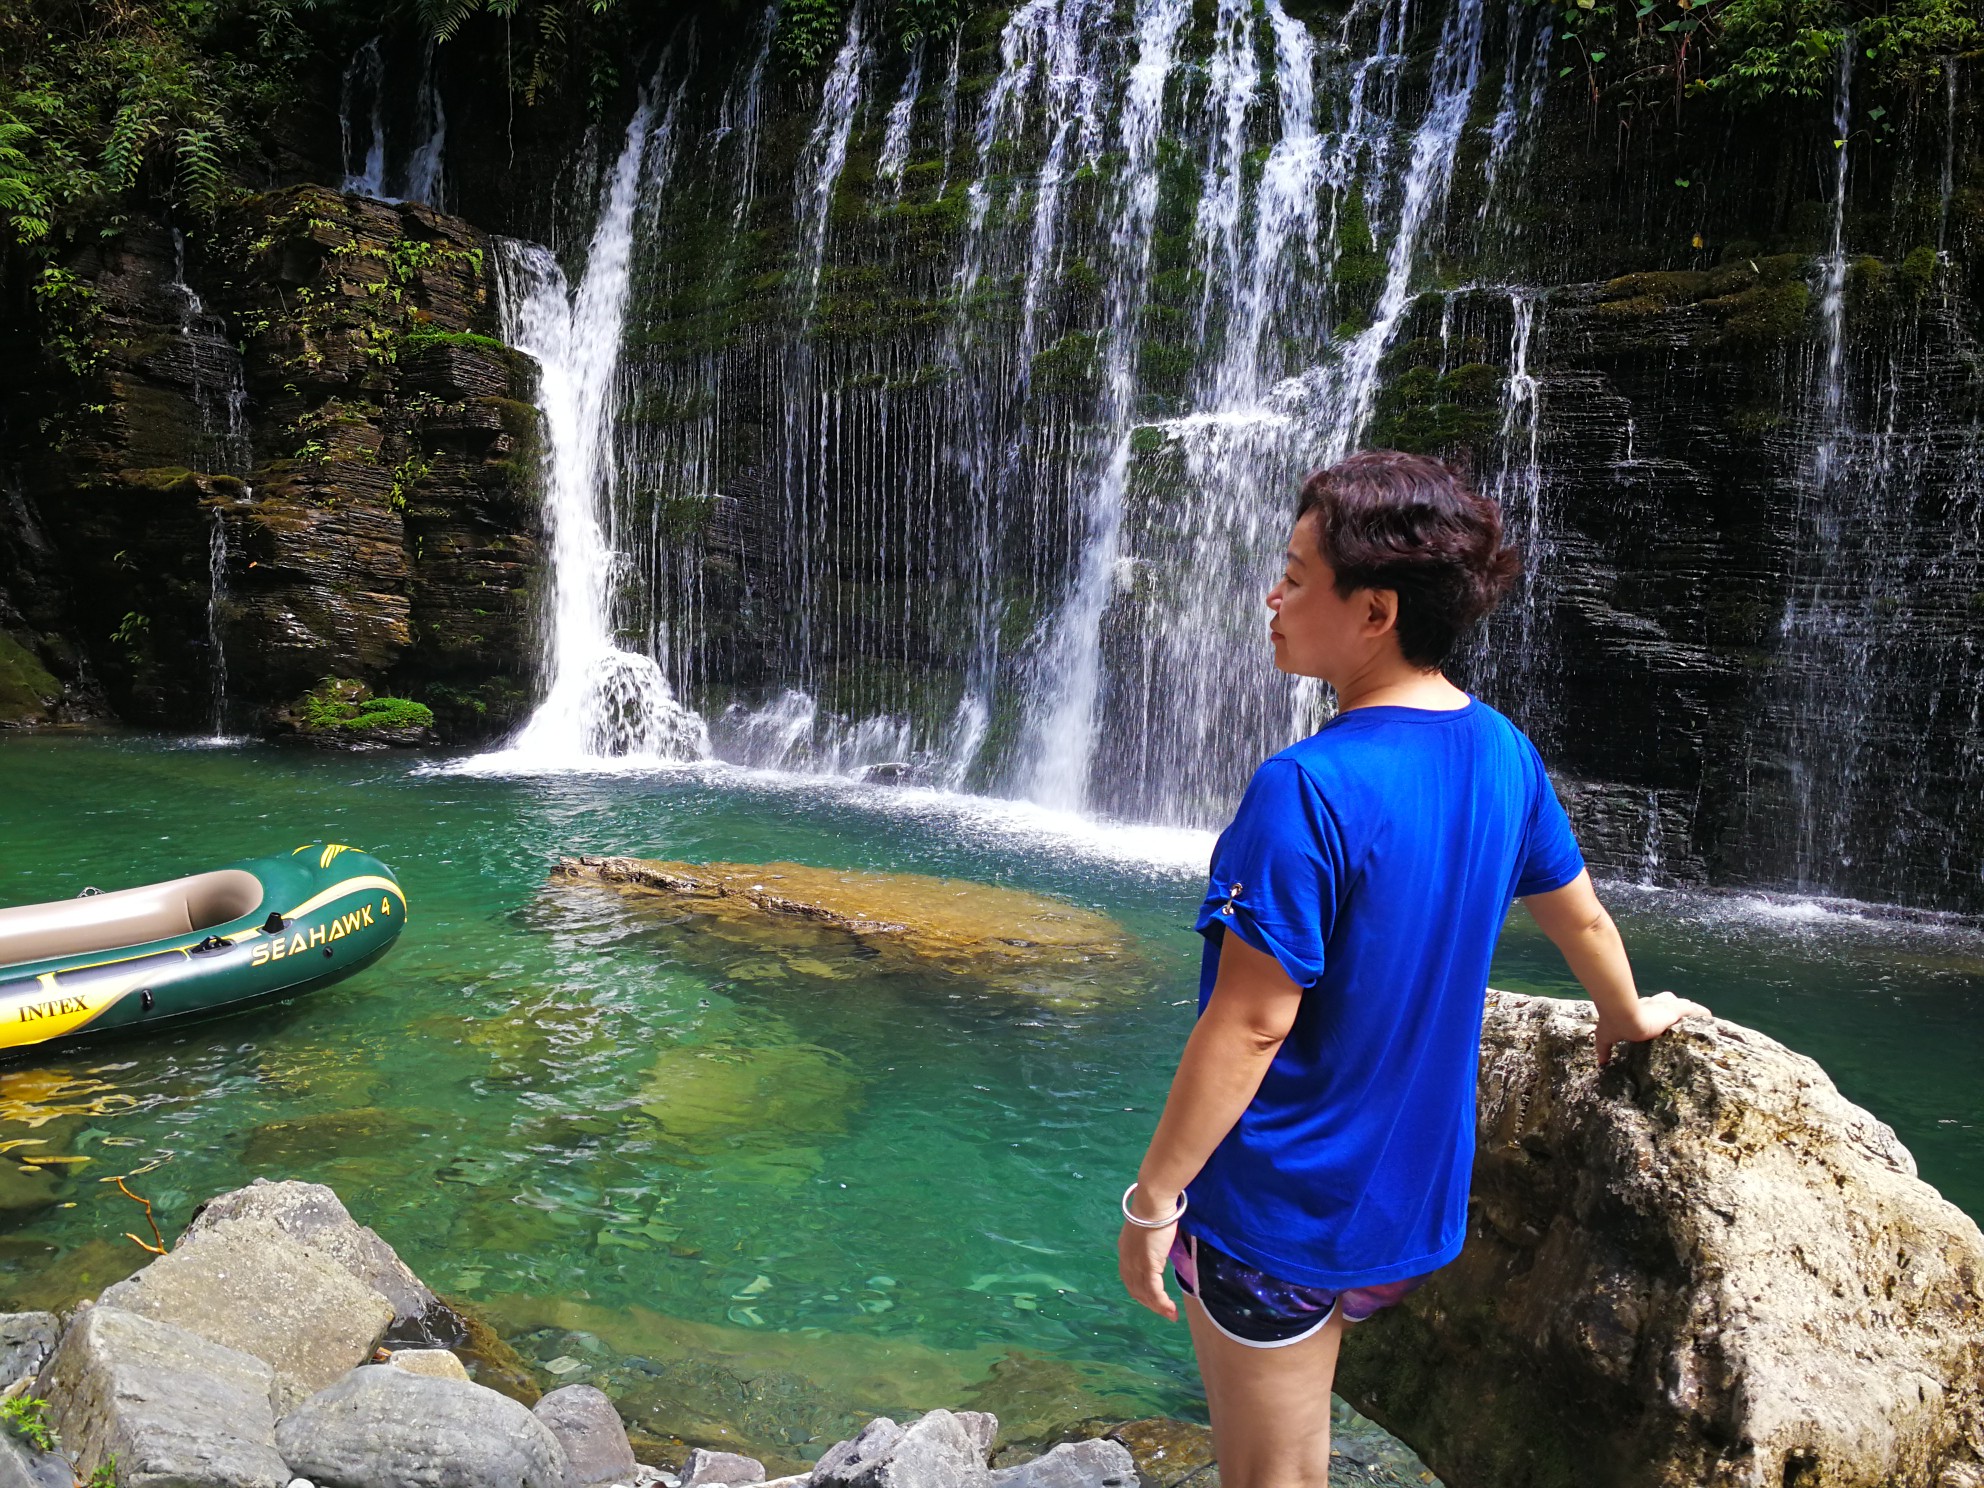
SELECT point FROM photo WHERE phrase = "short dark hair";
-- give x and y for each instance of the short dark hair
(1412, 524)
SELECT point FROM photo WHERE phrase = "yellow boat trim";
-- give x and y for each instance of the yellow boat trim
(56, 1012)
(349, 886)
(331, 850)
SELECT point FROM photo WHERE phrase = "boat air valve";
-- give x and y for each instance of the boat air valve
(145, 997)
(212, 943)
(275, 924)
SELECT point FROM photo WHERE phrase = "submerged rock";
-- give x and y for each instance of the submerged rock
(1701, 1266)
(704, 1468)
(898, 922)
(176, 1410)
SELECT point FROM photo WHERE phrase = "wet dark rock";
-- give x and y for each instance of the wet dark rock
(26, 1341)
(175, 1409)
(380, 1427)
(595, 1442)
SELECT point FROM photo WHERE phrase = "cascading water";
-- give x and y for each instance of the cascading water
(364, 90)
(216, 611)
(601, 702)
(367, 170)
(973, 580)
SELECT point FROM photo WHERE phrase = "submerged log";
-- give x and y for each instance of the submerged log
(1700, 1266)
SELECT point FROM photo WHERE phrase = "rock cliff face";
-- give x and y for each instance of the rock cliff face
(349, 493)
(1701, 1266)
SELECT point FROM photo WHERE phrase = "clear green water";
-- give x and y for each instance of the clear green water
(884, 1194)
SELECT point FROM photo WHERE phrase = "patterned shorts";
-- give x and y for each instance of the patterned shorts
(1263, 1311)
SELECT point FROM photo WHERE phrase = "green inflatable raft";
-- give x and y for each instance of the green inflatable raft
(266, 927)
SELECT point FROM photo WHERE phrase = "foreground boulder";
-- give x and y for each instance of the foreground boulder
(896, 921)
(1701, 1266)
(380, 1427)
(176, 1410)
(313, 1216)
(594, 1439)
(245, 1284)
(26, 1341)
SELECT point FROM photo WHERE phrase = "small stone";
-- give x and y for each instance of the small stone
(434, 1363)
(705, 1467)
(301, 1483)
(1087, 1464)
(935, 1451)
(26, 1341)
(591, 1432)
(564, 1364)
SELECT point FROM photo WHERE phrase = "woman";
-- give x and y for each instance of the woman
(1312, 1161)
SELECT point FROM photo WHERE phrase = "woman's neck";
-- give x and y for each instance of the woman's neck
(1399, 686)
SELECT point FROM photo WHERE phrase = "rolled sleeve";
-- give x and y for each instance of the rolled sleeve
(1275, 872)
(1550, 855)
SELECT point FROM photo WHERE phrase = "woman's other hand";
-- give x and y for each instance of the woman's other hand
(1140, 1259)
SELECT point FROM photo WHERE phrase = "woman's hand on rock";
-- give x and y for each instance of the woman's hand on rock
(1140, 1259)
(1648, 1018)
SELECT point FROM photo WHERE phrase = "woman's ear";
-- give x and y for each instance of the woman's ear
(1380, 612)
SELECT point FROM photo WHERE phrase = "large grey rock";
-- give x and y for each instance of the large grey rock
(21, 1466)
(246, 1284)
(982, 1427)
(1086, 1464)
(175, 1409)
(313, 1215)
(26, 1341)
(1701, 1266)
(705, 1467)
(593, 1436)
(936, 1450)
(380, 1427)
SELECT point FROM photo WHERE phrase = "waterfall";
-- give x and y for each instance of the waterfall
(902, 113)
(1062, 737)
(214, 372)
(216, 603)
(423, 167)
(368, 172)
(825, 154)
(364, 86)
(1015, 539)
(600, 702)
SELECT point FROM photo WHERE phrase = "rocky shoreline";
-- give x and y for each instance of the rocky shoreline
(1699, 1266)
(281, 1344)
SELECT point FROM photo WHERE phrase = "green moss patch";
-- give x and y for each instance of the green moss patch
(27, 690)
(344, 708)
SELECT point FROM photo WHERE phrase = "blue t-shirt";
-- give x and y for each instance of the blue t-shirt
(1376, 861)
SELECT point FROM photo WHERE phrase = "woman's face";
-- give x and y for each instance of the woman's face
(1316, 631)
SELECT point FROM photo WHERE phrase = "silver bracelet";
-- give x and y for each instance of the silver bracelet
(1152, 1224)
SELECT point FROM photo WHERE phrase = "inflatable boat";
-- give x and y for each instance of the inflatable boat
(253, 930)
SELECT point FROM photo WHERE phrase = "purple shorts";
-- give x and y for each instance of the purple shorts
(1263, 1311)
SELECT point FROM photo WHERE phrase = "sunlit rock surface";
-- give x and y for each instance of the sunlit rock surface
(895, 922)
(1702, 1266)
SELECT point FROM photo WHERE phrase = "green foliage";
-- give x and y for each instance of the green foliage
(105, 1475)
(810, 31)
(26, 1416)
(341, 705)
(1756, 51)
(101, 100)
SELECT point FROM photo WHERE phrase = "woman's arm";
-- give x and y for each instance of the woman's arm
(1578, 925)
(1253, 1005)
